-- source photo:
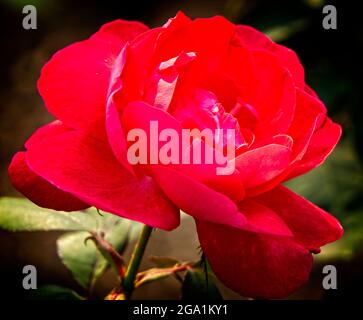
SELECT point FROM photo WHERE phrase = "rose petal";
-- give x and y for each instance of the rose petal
(161, 87)
(114, 129)
(116, 136)
(51, 129)
(313, 94)
(87, 168)
(304, 123)
(262, 164)
(196, 198)
(261, 219)
(142, 116)
(139, 115)
(254, 265)
(287, 58)
(208, 37)
(311, 226)
(74, 82)
(321, 144)
(38, 190)
(274, 98)
(137, 68)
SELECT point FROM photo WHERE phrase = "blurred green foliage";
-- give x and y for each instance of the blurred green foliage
(80, 256)
(87, 250)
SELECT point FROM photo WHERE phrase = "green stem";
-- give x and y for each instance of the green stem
(136, 257)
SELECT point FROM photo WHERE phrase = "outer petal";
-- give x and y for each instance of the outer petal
(51, 129)
(87, 168)
(312, 93)
(38, 190)
(261, 219)
(116, 33)
(321, 145)
(311, 226)
(304, 123)
(254, 265)
(74, 82)
(287, 58)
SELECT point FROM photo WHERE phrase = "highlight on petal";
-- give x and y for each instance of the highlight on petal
(254, 265)
(115, 133)
(160, 90)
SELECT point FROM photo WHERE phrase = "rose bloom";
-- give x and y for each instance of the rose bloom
(257, 235)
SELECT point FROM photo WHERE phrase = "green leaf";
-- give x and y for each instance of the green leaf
(199, 286)
(17, 214)
(82, 258)
(85, 262)
(116, 230)
(53, 292)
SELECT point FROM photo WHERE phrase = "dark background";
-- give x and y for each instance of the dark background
(333, 65)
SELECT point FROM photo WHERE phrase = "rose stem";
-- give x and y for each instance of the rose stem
(132, 268)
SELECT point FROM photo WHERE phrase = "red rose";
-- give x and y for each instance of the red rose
(208, 73)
